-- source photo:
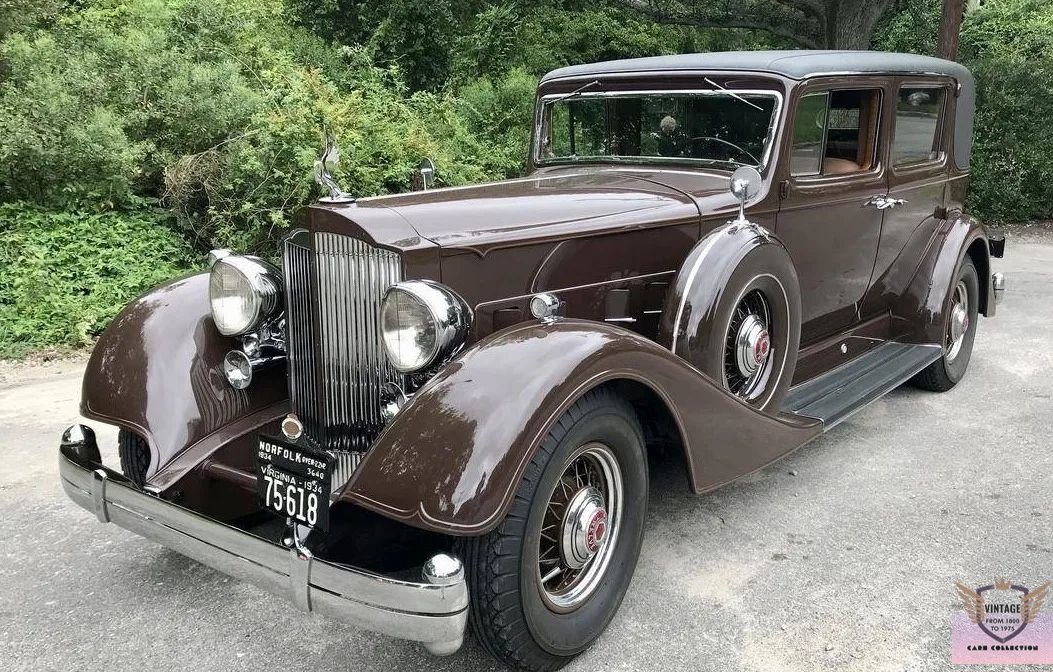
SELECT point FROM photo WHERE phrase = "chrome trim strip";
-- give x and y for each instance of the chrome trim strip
(435, 615)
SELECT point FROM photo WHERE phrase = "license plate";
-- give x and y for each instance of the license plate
(294, 481)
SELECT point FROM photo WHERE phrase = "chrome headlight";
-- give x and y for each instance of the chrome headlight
(422, 322)
(244, 291)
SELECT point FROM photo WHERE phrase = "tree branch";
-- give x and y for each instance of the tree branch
(727, 18)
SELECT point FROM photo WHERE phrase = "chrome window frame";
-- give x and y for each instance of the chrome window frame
(543, 101)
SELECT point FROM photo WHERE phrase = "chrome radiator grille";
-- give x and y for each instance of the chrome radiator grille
(334, 286)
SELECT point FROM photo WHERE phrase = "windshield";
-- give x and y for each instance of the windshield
(733, 128)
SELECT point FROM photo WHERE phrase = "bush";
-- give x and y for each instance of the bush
(63, 276)
(501, 109)
(1009, 46)
(243, 192)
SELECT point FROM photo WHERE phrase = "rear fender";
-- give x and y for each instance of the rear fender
(157, 371)
(919, 311)
(452, 459)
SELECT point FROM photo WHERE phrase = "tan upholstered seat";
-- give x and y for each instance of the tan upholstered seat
(839, 166)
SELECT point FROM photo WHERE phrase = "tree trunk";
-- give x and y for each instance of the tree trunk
(950, 28)
(851, 23)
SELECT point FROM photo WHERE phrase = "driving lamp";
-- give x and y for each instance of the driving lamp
(244, 291)
(421, 323)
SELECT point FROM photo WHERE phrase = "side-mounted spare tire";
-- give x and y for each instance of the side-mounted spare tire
(734, 313)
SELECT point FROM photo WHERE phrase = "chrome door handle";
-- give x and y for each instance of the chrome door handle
(883, 202)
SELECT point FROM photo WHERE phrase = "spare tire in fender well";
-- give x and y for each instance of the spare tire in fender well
(699, 301)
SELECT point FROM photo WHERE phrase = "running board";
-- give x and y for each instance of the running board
(837, 394)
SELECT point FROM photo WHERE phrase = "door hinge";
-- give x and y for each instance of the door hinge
(784, 189)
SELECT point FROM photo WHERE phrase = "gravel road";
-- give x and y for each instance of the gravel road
(841, 556)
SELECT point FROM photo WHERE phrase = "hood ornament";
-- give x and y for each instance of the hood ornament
(323, 173)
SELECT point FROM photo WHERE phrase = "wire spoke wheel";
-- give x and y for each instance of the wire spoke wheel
(747, 346)
(580, 528)
(958, 324)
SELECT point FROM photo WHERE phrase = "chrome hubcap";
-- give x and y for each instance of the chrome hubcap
(958, 325)
(580, 528)
(752, 345)
(748, 347)
(584, 527)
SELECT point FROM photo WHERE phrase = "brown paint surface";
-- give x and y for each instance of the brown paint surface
(611, 243)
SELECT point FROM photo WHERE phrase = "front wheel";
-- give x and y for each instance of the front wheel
(548, 580)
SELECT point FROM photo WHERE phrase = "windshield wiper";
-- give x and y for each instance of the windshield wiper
(733, 94)
(577, 92)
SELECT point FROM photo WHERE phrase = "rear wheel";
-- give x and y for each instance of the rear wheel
(959, 330)
(548, 580)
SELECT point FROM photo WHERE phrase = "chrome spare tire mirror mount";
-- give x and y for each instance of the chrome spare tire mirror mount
(745, 183)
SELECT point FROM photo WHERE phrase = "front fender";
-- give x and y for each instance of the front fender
(452, 459)
(157, 371)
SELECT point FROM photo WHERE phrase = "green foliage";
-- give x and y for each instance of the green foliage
(94, 109)
(416, 37)
(173, 126)
(243, 192)
(501, 109)
(1009, 47)
(63, 276)
(913, 29)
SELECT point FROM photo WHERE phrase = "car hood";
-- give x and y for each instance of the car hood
(552, 205)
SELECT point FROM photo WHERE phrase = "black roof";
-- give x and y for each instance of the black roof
(793, 64)
(802, 65)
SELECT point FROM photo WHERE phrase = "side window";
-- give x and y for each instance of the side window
(835, 132)
(919, 114)
(809, 131)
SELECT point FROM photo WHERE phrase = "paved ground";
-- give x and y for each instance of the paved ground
(842, 556)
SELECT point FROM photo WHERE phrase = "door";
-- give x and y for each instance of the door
(829, 216)
(918, 177)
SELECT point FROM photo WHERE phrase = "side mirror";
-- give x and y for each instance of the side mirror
(424, 176)
(745, 184)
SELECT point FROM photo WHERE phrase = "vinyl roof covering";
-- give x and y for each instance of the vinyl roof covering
(793, 64)
(803, 64)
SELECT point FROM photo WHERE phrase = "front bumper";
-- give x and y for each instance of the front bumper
(433, 611)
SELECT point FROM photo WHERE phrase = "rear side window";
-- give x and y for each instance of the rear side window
(919, 117)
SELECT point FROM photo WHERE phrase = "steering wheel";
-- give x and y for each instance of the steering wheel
(711, 138)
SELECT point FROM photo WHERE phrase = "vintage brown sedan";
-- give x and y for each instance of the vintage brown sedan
(439, 410)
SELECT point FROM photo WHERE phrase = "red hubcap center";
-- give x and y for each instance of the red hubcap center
(761, 347)
(595, 531)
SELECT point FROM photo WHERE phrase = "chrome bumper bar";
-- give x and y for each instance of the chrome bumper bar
(433, 611)
(998, 286)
